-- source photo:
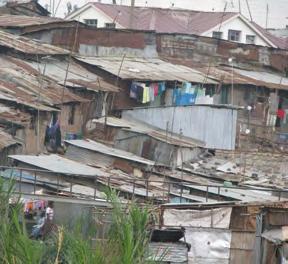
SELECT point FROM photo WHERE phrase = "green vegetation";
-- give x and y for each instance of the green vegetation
(127, 241)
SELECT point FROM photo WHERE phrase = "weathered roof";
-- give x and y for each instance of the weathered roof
(57, 164)
(7, 140)
(163, 19)
(141, 128)
(78, 76)
(22, 84)
(146, 69)
(106, 150)
(19, 21)
(265, 78)
(28, 46)
(13, 116)
(240, 76)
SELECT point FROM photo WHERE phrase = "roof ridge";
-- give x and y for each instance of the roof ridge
(162, 8)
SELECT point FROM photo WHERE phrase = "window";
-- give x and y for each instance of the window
(234, 35)
(250, 39)
(91, 22)
(110, 25)
(217, 34)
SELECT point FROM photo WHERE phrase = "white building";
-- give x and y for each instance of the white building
(230, 26)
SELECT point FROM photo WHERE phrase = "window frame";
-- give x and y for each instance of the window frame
(110, 25)
(232, 31)
(217, 32)
(91, 24)
(249, 36)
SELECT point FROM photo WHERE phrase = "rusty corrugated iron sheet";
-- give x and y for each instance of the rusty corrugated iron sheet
(7, 140)
(21, 84)
(11, 115)
(77, 77)
(18, 21)
(226, 74)
(148, 69)
(28, 46)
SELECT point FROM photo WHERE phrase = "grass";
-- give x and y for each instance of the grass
(127, 241)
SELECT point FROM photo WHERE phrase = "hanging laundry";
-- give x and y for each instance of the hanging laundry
(161, 87)
(133, 90)
(281, 114)
(151, 93)
(156, 89)
(145, 95)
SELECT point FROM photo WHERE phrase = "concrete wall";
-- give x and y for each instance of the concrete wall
(212, 125)
(177, 48)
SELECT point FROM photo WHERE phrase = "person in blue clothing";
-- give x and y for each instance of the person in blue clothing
(37, 229)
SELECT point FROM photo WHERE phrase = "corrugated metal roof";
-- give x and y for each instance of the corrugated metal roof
(14, 116)
(101, 148)
(164, 20)
(248, 77)
(22, 84)
(168, 252)
(28, 46)
(158, 134)
(57, 164)
(270, 79)
(6, 140)
(18, 21)
(77, 77)
(146, 69)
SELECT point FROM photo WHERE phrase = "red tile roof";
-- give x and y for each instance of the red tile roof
(165, 20)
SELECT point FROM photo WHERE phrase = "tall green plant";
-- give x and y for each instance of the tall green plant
(127, 241)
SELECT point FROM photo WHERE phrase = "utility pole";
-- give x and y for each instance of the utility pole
(131, 18)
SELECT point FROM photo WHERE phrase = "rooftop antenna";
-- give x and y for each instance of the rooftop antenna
(248, 6)
(239, 3)
(267, 13)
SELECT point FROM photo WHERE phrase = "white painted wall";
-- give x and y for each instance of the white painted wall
(92, 13)
(238, 24)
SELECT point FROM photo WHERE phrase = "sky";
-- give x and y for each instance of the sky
(277, 15)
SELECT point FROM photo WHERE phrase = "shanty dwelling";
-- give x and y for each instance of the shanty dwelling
(146, 141)
(36, 77)
(150, 81)
(231, 233)
(96, 154)
(215, 125)
(81, 82)
(53, 174)
(21, 89)
(8, 146)
(263, 95)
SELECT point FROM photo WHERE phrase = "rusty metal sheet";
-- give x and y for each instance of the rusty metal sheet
(142, 128)
(21, 84)
(77, 77)
(19, 21)
(146, 69)
(28, 46)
